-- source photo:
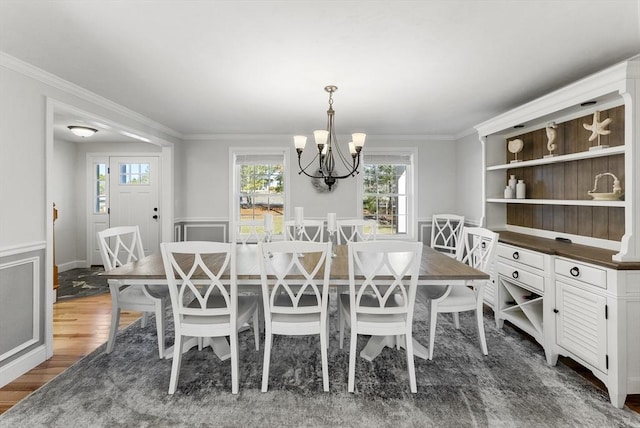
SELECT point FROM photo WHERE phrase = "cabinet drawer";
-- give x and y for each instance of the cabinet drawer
(530, 280)
(581, 272)
(526, 257)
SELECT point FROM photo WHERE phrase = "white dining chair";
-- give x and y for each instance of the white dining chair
(382, 303)
(295, 292)
(356, 230)
(446, 230)
(207, 305)
(119, 246)
(249, 231)
(312, 230)
(477, 248)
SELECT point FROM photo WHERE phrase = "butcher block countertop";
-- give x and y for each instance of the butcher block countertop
(583, 253)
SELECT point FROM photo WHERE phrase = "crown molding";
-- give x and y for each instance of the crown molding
(52, 80)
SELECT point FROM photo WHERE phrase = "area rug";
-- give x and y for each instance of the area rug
(512, 387)
(81, 282)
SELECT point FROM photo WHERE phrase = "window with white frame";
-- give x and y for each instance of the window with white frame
(259, 187)
(388, 191)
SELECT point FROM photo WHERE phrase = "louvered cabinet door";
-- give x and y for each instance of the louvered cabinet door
(581, 324)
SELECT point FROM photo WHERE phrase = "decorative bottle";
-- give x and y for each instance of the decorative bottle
(520, 189)
(512, 182)
(508, 192)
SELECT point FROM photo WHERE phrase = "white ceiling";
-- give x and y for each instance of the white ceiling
(259, 67)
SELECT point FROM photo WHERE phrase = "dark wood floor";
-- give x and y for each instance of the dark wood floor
(81, 325)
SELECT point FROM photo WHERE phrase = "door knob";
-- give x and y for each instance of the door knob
(155, 217)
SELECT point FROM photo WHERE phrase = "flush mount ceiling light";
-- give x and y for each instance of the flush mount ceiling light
(328, 145)
(82, 131)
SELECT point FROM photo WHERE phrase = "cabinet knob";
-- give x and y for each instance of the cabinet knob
(155, 217)
(555, 311)
(515, 274)
(574, 271)
(516, 255)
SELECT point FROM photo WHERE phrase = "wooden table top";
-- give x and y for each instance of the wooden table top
(435, 266)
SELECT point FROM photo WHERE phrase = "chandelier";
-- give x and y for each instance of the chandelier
(329, 151)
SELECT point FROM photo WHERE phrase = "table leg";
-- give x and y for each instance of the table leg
(219, 345)
(376, 344)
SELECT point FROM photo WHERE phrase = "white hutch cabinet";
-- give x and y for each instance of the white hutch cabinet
(568, 266)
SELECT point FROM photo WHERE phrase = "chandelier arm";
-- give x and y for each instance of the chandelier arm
(304, 170)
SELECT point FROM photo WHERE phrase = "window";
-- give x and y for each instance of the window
(387, 195)
(133, 174)
(100, 188)
(259, 187)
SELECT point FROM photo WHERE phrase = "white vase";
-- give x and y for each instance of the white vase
(508, 192)
(512, 182)
(520, 189)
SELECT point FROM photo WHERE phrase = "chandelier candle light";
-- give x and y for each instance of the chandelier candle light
(328, 147)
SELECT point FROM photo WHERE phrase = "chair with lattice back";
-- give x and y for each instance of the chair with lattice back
(383, 277)
(295, 290)
(477, 248)
(356, 230)
(446, 230)
(119, 246)
(202, 281)
(311, 230)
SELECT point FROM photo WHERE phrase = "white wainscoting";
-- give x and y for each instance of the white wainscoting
(22, 344)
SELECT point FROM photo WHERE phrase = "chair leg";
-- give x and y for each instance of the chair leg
(483, 339)
(410, 363)
(160, 312)
(175, 365)
(115, 320)
(267, 356)
(341, 322)
(145, 318)
(324, 346)
(433, 314)
(256, 327)
(456, 320)
(233, 339)
(352, 360)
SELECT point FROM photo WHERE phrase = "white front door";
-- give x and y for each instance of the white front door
(133, 197)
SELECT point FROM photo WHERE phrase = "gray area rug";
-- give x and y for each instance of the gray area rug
(81, 282)
(512, 387)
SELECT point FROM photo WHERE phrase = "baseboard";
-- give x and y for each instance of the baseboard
(63, 267)
(16, 368)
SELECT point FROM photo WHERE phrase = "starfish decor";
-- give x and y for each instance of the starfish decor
(597, 128)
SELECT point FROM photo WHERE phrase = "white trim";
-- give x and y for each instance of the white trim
(413, 192)
(609, 81)
(35, 309)
(22, 248)
(209, 225)
(22, 364)
(201, 219)
(36, 73)
(234, 152)
(72, 265)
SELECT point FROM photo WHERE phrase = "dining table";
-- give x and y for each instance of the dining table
(436, 269)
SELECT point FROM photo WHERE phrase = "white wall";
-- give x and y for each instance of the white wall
(203, 177)
(469, 178)
(66, 197)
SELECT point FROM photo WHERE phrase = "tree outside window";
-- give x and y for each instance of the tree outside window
(262, 191)
(385, 198)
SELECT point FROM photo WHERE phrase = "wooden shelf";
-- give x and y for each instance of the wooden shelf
(575, 202)
(561, 158)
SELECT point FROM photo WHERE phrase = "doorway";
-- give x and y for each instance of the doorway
(123, 191)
